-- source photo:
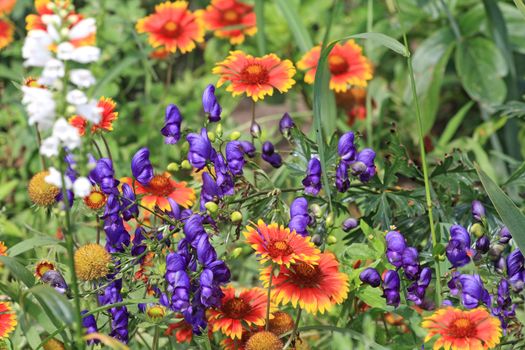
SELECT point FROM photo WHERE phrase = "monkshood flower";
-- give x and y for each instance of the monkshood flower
(410, 263)
(285, 124)
(130, 208)
(504, 309)
(473, 292)
(117, 237)
(312, 181)
(516, 269)
(342, 181)
(299, 216)
(454, 283)
(104, 176)
(235, 152)
(210, 191)
(172, 122)
(483, 244)
(364, 166)
(395, 244)
(349, 224)
(138, 247)
(223, 176)
(346, 148)
(416, 291)
(90, 325)
(211, 106)
(201, 150)
(478, 210)
(504, 235)
(141, 167)
(269, 155)
(458, 248)
(391, 287)
(119, 315)
(370, 276)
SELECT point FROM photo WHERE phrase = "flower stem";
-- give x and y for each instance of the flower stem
(39, 141)
(156, 339)
(424, 164)
(107, 147)
(269, 297)
(368, 101)
(293, 336)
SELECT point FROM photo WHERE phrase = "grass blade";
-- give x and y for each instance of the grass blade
(454, 124)
(521, 6)
(303, 39)
(259, 16)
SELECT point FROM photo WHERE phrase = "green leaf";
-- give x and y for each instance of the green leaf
(291, 15)
(521, 6)
(453, 124)
(511, 216)
(360, 251)
(113, 73)
(481, 67)
(18, 270)
(31, 243)
(7, 188)
(516, 174)
(259, 16)
(52, 300)
(372, 297)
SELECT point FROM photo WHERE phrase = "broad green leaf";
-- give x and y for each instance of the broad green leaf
(31, 243)
(261, 36)
(481, 68)
(303, 39)
(18, 270)
(453, 124)
(521, 6)
(516, 174)
(372, 297)
(53, 301)
(360, 251)
(7, 188)
(511, 216)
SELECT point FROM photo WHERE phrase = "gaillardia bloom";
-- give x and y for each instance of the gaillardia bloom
(40, 192)
(264, 340)
(92, 262)
(348, 67)
(42, 267)
(7, 319)
(221, 14)
(255, 76)
(459, 330)
(314, 287)
(173, 27)
(249, 308)
(280, 245)
(107, 116)
(156, 189)
(6, 32)
(96, 199)
(6, 6)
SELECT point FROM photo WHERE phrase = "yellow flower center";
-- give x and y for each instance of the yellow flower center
(281, 323)
(95, 200)
(42, 267)
(231, 16)
(264, 341)
(462, 328)
(91, 262)
(235, 308)
(337, 64)
(40, 192)
(279, 248)
(160, 186)
(170, 26)
(156, 312)
(53, 344)
(255, 74)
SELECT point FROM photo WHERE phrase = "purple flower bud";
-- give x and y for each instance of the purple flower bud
(349, 224)
(346, 147)
(211, 107)
(391, 287)
(130, 208)
(366, 168)
(104, 176)
(370, 276)
(473, 292)
(141, 166)
(201, 150)
(285, 124)
(172, 123)
(210, 191)
(342, 182)
(299, 218)
(396, 244)
(483, 244)
(255, 130)
(235, 151)
(312, 181)
(504, 235)
(478, 210)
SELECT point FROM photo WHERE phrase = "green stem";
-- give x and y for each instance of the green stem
(369, 121)
(39, 141)
(452, 20)
(424, 164)
(106, 145)
(156, 338)
(294, 331)
(269, 298)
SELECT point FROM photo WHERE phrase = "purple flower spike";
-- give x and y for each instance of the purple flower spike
(516, 269)
(312, 181)
(171, 129)
(458, 248)
(299, 217)
(342, 182)
(130, 208)
(104, 176)
(364, 165)
(504, 235)
(346, 147)
(211, 107)
(473, 292)
(90, 324)
(370, 276)
(269, 155)
(285, 124)
(483, 244)
(201, 150)
(141, 166)
(396, 244)
(478, 210)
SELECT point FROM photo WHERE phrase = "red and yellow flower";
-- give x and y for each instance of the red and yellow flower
(3, 249)
(6, 6)
(96, 199)
(222, 14)
(173, 27)
(42, 267)
(183, 331)
(313, 287)
(107, 117)
(461, 330)
(7, 319)
(255, 76)
(249, 309)
(6, 32)
(348, 67)
(280, 245)
(159, 189)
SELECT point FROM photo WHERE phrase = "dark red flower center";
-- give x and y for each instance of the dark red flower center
(255, 74)
(462, 328)
(337, 64)
(236, 308)
(170, 29)
(278, 248)
(160, 186)
(305, 275)
(230, 16)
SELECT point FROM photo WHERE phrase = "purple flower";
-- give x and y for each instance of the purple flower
(194, 227)
(370, 276)
(201, 150)
(172, 123)
(210, 191)
(483, 244)
(119, 315)
(312, 181)
(391, 287)
(299, 217)
(90, 324)
(396, 244)
(516, 269)
(504, 235)
(104, 176)
(458, 248)
(141, 166)
(206, 254)
(504, 309)
(285, 124)
(364, 165)
(473, 293)
(180, 288)
(342, 182)
(235, 151)
(116, 235)
(478, 210)
(416, 291)
(346, 147)
(349, 224)
(224, 177)
(137, 246)
(454, 283)
(269, 155)
(209, 102)
(130, 208)
(410, 263)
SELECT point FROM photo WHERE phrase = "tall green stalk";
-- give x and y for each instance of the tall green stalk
(369, 121)
(428, 196)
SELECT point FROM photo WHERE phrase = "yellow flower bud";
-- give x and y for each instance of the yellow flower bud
(235, 135)
(236, 217)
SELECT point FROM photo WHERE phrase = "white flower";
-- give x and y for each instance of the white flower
(53, 70)
(90, 111)
(55, 178)
(66, 133)
(65, 51)
(36, 48)
(40, 106)
(82, 187)
(81, 78)
(86, 54)
(76, 97)
(49, 147)
(53, 22)
(83, 29)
